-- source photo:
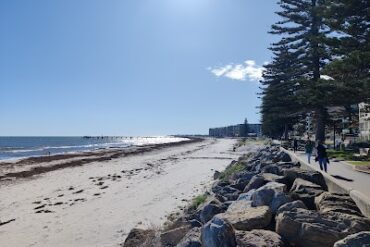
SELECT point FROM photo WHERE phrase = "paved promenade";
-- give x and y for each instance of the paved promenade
(342, 172)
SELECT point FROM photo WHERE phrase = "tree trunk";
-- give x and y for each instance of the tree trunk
(320, 124)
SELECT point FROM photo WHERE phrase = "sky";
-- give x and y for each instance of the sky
(130, 67)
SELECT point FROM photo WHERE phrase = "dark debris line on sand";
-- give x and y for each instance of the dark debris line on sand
(87, 157)
(6, 222)
(269, 201)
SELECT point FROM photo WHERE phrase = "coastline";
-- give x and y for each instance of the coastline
(99, 203)
(30, 166)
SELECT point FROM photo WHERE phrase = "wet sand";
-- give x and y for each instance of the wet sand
(98, 202)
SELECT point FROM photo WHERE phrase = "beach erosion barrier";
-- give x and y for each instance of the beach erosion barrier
(362, 201)
(266, 198)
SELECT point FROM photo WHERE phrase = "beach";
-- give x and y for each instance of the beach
(97, 202)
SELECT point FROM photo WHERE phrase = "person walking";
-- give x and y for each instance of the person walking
(295, 145)
(308, 149)
(322, 156)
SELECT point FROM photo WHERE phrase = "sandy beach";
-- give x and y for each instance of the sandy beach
(97, 204)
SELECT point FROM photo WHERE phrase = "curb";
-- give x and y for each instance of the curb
(362, 201)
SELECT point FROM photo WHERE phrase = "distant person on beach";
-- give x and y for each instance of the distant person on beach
(322, 156)
(295, 145)
(308, 149)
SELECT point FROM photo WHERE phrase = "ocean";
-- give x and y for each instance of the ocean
(23, 147)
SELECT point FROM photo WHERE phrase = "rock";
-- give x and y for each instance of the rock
(280, 167)
(272, 168)
(272, 195)
(228, 192)
(216, 175)
(270, 177)
(240, 183)
(290, 206)
(172, 237)
(306, 192)
(256, 182)
(332, 202)
(218, 233)
(195, 223)
(191, 239)
(209, 210)
(139, 237)
(311, 176)
(242, 175)
(361, 239)
(248, 218)
(258, 238)
(309, 228)
(282, 156)
(246, 196)
(240, 205)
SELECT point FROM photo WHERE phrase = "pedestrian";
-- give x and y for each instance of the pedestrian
(308, 149)
(295, 145)
(322, 156)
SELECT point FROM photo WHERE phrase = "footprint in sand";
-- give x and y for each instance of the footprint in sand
(42, 206)
(44, 211)
(78, 192)
(104, 187)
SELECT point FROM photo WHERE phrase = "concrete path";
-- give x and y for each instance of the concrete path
(343, 173)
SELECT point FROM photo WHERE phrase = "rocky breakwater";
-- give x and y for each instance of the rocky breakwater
(265, 199)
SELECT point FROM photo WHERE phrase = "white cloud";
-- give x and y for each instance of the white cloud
(247, 70)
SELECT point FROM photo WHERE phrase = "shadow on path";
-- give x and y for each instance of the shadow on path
(342, 178)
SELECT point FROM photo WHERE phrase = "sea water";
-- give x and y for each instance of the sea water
(22, 147)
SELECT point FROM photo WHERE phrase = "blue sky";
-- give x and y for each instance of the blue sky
(130, 67)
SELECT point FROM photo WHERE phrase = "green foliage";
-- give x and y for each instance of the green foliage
(343, 155)
(230, 170)
(198, 200)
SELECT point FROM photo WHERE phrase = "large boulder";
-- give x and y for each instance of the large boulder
(256, 182)
(227, 192)
(191, 239)
(361, 239)
(139, 237)
(332, 202)
(209, 209)
(282, 157)
(258, 238)
(272, 195)
(311, 176)
(290, 206)
(241, 179)
(218, 233)
(172, 237)
(270, 177)
(306, 192)
(248, 218)
(280, 167)
(246, 196)
(308, 228)
(240, 205)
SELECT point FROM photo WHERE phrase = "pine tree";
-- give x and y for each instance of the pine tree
(279, 101)
(350, 21)
(303, 33)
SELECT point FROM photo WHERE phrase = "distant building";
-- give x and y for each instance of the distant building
(364, 121)
(240, 130)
